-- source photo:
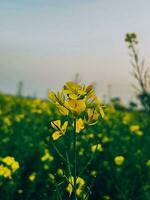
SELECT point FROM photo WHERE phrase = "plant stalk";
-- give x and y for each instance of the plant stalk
(75, 160)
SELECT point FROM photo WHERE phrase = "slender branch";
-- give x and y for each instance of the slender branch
(89, 162)
(68, 164)
(58, 192)
(58, 152)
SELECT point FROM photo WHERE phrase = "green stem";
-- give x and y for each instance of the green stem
(75, 159)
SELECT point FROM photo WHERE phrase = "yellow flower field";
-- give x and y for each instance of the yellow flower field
(113, 154)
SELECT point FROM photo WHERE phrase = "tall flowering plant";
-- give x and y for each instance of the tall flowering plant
(81, 106)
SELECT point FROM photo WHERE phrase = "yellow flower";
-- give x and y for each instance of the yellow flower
(7, 172)
(7, 121)
(78, 191)
(1, 170)
(79, 125)
(47, 156)
(136, 130)
(32, 176)
(80, 183)
(126, 119)
(63, 110)
(99, 107)
(76, 106)
(74, 90)
(52, 96)
(15, 166)
(8, 160)
(96, 147)
(70, 185)
(95, 104)
(59, 101)
(93, 116)
(119, 160)
(60, 130)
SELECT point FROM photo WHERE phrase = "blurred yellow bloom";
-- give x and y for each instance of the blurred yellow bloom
(136, 130)
(126, 119)
(8, 160)
(32, 176)
(60, 130)
(119, 160)
(7, 121)
(79, 125)
(78, 191)
(80, 184)
(96, 147)
(47, 156)
(1, 170)
(5, 171)
(15, 166)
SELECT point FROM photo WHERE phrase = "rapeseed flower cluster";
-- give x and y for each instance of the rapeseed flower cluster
(47, 156)
(77, 101)
(8, 166)
(79, 182)
(96, 147)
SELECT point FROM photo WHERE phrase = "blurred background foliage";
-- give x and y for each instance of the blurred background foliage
(25, 134)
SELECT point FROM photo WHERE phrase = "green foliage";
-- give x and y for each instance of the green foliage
(25, 134)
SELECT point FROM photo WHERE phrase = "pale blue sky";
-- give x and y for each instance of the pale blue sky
(44, 43)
